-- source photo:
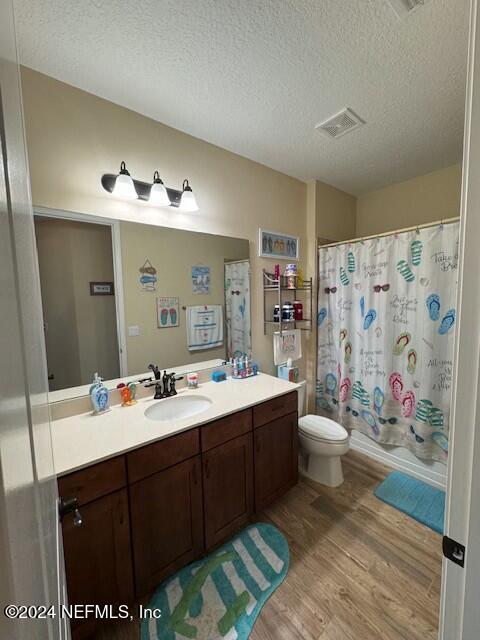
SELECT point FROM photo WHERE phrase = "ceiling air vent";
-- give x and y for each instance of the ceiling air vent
(402, 7)
(340, 124)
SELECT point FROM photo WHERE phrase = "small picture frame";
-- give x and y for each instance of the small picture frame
(278, 245)
(168, 312)
(101, 289)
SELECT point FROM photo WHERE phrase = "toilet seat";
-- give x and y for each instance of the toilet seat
(322, 429)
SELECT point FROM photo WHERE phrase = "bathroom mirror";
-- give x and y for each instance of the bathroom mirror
(120, 295)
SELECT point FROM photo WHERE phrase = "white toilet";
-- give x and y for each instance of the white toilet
(322, 443)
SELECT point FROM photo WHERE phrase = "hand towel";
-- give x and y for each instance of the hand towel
(288, 345)
(204, 327)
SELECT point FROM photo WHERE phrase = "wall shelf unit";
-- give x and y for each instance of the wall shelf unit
(279, 287)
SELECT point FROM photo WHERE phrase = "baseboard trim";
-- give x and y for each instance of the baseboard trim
(433, 478)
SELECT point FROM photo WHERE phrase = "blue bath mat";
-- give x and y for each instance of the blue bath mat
(220, 596)
(415, 498)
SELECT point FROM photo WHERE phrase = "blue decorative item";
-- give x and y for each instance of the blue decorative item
(415, 498)
(433, 306)
(322, 314)
(447, 322)
(99, 395)
(369, 318)
(219, 376)
(221, 596)
(378, 398)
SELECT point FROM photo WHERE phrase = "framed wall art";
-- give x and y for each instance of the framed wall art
(278, 245)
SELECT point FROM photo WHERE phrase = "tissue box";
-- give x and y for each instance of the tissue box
(288, 373)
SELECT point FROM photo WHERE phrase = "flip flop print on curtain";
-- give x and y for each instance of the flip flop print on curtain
(362, 306)
(369, 418)
(408, 404)
(322, 314)
(360, 393)
(433, 306)
(348, 352)
(345, 386)
(378, 399)
(411, 361)
(395, 382)
(369, 318)
(447, 322)
(405, 271)
(350, 262)
(330, 383)
(400, 343)
(416, 252)
(343, 277)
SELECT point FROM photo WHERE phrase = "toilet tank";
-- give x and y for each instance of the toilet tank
(302, 392)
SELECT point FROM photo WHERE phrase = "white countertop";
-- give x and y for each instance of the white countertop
(82, 440)
(69, 393)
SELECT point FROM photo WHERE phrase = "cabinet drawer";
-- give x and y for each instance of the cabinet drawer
(273, 409)
(95, 481)
(163, 454)
(226, 429)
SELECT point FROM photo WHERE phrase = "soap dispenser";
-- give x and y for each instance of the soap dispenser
(99, 395)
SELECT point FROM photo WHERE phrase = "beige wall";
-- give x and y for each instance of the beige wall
(428, 198)
(81, 334)
(335, 213)
(74, 137)
(173, 253)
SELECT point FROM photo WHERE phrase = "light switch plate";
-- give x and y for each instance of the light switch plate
(133, 331)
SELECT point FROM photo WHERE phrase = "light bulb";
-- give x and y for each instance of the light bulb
(124, 187)
(187, 201)
(158, 194)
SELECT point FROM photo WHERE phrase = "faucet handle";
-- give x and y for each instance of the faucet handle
(173, 379)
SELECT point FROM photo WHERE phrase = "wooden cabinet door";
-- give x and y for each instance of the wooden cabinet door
(98, 559)
(276, 459)
(167, 522)
(228, 488)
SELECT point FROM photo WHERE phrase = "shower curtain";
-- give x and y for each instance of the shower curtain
(237, 309)
(386, 325)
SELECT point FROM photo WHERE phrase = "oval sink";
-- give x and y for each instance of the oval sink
(177, 408)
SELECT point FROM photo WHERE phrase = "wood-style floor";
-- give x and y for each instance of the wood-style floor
(359, 569)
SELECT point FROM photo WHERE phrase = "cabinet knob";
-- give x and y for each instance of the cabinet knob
(70, 505)
(77, 519)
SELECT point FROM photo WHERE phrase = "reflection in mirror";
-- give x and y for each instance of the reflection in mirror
(118, 296)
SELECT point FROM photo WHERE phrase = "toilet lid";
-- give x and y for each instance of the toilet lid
(322, 428)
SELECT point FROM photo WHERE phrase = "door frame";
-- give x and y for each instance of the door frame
(117, 270)
(459, 611)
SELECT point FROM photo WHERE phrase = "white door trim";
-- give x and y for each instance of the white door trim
(117, 270)
(460, 613)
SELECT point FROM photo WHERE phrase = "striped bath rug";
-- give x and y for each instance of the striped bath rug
(415, 498)
(221, 596)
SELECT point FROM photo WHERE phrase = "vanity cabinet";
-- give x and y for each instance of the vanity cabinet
(228, 488)
(97, 553)
(167, 522)
(153, 510)
(276, 459)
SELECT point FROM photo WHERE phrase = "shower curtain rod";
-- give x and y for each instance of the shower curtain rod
(390, 233)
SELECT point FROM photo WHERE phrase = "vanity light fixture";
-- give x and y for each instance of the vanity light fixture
(124, 187)
(187, 201)
(158, 194)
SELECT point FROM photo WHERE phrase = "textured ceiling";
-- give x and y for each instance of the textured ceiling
(255, 76)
